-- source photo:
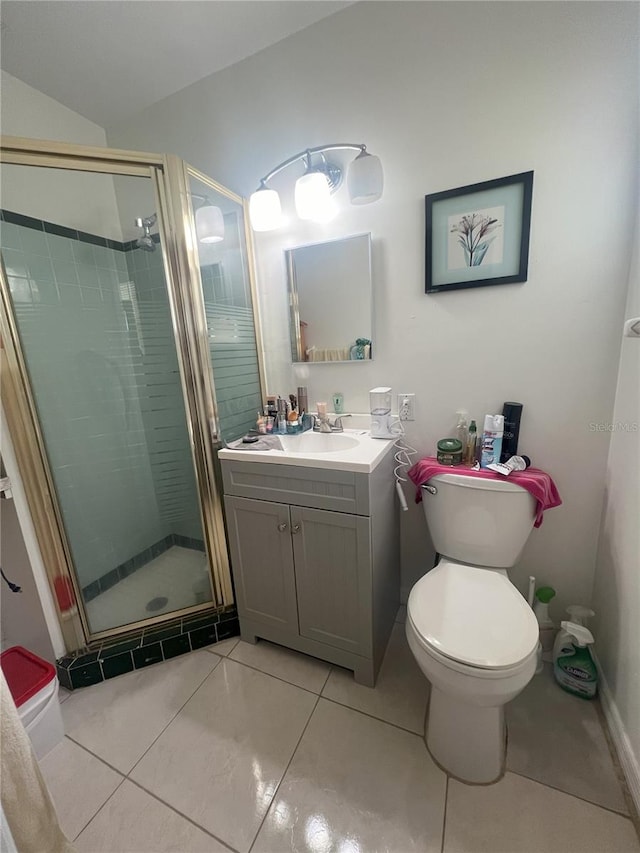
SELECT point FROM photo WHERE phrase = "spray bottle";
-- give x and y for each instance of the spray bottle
(574, 668)
(578, 615)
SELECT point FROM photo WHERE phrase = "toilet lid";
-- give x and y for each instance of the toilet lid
(472, 615)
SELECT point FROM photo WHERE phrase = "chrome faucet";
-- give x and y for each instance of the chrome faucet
(324, 424)
(337, 426)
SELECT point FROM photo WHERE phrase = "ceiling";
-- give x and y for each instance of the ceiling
(109, 59)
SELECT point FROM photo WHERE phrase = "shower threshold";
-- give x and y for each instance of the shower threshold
(145, 647)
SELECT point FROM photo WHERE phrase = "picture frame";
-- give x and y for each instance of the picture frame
(478, 235)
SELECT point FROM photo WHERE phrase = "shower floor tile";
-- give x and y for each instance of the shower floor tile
(170, 576)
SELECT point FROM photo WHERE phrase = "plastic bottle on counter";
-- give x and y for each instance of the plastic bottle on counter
(492, 439)
(470, 450)
(462, 427)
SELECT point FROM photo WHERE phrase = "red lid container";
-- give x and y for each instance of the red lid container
(25, 672)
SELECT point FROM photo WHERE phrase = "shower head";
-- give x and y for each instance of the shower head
(146, 242)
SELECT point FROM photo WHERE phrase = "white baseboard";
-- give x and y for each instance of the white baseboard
(628, 759)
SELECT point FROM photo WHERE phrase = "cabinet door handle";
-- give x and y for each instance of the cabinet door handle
(282, 526)
(295, 528)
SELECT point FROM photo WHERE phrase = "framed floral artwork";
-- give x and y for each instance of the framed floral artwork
(478, 235)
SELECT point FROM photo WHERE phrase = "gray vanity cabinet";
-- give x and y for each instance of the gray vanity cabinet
(308, 574)
(316, 580)
(260, 540)
(333, 577)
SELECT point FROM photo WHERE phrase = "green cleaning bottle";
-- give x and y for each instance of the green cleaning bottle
(573, 664)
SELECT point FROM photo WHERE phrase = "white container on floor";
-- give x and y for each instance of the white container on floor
(34, 686)
(42, 719)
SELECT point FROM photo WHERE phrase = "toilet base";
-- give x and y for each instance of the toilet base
(468, 741)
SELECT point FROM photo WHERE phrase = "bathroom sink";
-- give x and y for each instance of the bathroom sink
(318, 442)
(351, 450)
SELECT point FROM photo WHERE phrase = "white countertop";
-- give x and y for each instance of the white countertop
(364, 457)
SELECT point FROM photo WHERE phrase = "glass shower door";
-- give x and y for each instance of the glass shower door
(94, 317)
(232, 335)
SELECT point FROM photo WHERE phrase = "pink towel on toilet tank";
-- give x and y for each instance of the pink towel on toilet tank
(536, 482)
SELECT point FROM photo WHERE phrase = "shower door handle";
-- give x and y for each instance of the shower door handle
(213, 429)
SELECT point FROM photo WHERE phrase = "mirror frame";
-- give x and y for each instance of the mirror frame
(297, 353)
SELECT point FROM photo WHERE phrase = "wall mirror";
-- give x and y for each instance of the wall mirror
(330, 299)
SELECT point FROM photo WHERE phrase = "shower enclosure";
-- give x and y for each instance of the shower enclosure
(131, 352)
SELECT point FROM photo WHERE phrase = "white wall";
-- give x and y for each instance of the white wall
(616, 597)
(28, 618)
(79, 200)
(449, 94)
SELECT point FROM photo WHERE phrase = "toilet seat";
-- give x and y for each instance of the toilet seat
(472, 617)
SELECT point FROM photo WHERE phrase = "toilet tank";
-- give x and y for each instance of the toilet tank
(478, 521)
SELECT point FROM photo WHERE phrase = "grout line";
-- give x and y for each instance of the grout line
(118, 786)
(326, 679)
(182, 815)
(568, 793)
(373, 717)
(174, 716)
(286, 770)
(277, 677)
(328, 698)
(106, 763)
(444, 812)
(224, 640)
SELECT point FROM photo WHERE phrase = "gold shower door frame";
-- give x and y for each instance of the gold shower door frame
(169, 176)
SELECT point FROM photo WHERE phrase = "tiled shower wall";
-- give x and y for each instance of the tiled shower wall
(96, 330)
(161, 403)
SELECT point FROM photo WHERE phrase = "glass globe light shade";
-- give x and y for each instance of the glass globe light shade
(365, 179)
(313, 197)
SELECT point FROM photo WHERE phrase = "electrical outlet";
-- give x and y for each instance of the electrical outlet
(407, 407)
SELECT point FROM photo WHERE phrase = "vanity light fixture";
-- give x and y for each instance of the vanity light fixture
(314, 189)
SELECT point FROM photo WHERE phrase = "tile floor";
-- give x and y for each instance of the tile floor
(171, 575)
(258, 748)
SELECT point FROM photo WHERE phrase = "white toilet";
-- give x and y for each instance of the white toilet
(470, 630)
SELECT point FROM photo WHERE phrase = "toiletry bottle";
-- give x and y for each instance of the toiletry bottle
(303, 400)
(271, 407)
(574, 668)
(281, 420)
(338, 403)
(512, 413)
(545, 624)
(462, 427)
(322, 421)
(261, 424)
(491, 439)
(470, 452)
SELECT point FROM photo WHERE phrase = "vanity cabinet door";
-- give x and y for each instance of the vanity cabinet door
(333, 577)
(262, 561)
